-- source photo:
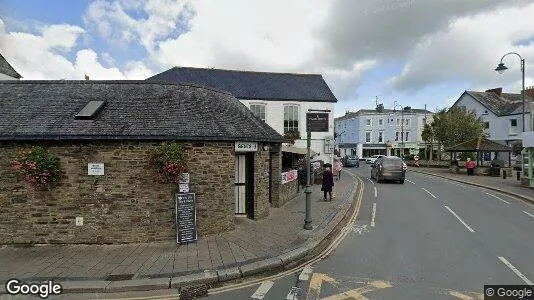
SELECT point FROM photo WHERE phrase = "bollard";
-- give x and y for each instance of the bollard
(503, 174)
(518, 175)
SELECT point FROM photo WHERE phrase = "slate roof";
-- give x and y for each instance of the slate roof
(6, 68)
(479, 145)
(505, 104)
(135, 110)
(254, 85)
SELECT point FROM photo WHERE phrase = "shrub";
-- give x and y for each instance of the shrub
(169, 162)
(38, 167)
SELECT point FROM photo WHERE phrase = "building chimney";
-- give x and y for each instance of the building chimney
(529, 92)
(497, 91)
(86, 77)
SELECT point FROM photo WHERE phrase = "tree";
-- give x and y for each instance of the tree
(455, 125)
(428, 137)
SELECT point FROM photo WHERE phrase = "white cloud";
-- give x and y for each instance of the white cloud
(43, 56)
(469, 49)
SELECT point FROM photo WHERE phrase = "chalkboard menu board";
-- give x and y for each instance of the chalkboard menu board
(186, 218)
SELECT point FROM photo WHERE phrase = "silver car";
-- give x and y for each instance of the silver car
(389, 168)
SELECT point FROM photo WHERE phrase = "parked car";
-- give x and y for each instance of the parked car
(352, 161)
(373, 158)
(389, 168)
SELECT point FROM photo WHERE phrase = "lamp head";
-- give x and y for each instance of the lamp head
(501, 68)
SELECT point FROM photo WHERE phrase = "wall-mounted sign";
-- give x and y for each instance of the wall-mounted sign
(184, 178)
(183, 187)
(186, 218)
(95, 169)
(246, 146)
(317, 122)
(328, 145)
(289, 176)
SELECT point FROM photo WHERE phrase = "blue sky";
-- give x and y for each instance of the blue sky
(409, 51)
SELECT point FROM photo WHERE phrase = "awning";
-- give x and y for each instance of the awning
(301, 151)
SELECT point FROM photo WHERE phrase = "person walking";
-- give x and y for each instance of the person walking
(338, 166)
(328, 183)
(470, 166)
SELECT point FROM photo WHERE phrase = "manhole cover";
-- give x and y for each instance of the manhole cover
(119, 277)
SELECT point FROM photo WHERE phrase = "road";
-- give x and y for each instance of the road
(426, 239)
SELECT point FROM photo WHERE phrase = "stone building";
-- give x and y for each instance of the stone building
(118, 124)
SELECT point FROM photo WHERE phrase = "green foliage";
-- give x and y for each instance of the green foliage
(517, 147)
(428, 134)
(464, 155)
(453, 126)
(169, 162)
(291, 136)
(38, 167)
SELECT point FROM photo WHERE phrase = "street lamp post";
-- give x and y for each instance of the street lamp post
(501, 68)
(395, 104)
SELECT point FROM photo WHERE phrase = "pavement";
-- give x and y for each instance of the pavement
(510, 185)
(273, 243)
(428, 238)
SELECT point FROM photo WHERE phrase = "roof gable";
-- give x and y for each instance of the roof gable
(479, 144)
(501, 105)
(7, 69)
(253, 85)
(41, 110)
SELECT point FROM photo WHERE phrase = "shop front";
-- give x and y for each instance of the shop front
(374, 149)
(402, 149)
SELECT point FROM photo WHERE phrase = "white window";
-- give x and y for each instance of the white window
(380, 136)
(258, 110)
(368, 136)
(291, 118)
(406, 122)
(513, 122)
(406, 136)
(368, 122)
(398, 122)
(380, 122)
(397, 134)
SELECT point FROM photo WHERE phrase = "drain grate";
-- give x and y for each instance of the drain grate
(119, 277)
(193, 291)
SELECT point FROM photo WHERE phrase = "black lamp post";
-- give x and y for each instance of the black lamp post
(501, 68)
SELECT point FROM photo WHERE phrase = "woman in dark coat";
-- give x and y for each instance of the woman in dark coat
(328, 183)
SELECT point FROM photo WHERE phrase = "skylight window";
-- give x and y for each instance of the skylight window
(90, 110)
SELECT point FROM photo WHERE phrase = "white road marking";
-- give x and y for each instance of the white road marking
(429, 193)
(410, 181)
(516, 271)
(497, 198)
(529, 214)
(374, 215)
(376, 192)
(459, 219)
(294, 293)
(262, 290)
(305, 274)
(370, 180)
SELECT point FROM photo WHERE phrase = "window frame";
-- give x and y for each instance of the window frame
(292, 127)
(381, 122)
(264, 106)
(368, 122)
(370, 137)
(380, 136)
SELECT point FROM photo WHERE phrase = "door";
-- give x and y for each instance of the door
(240, 195)
(249, 185)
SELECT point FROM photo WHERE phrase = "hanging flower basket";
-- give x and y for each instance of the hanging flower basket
(37, 167)
(169, 161)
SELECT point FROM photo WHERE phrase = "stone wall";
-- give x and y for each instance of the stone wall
(289, 191)
(261, 184)
(276, 180)
(124, 205)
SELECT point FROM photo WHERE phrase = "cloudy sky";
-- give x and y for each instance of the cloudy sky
(415, 52)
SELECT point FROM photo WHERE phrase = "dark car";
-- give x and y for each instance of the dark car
(352, 161)
(388, 168)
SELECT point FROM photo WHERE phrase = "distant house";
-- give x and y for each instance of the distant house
(7, 72)
(382, 131)
(129, 120)
(502, 113)
(280, 99)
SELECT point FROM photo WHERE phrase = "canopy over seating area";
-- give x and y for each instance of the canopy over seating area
(480, 145)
